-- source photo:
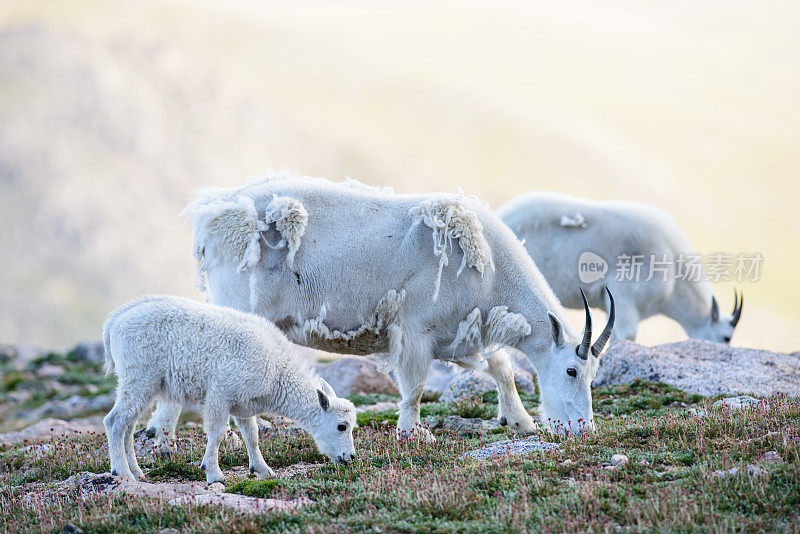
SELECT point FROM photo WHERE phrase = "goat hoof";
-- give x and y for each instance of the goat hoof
(503, 421)
(202, 467)
(114, 473)
(252, 470)
(150, 433)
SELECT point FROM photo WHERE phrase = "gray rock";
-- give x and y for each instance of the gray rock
(51, 427)
(619, 460)
(89, 351)
(71, 407)
(702, 367)
(751, 470)
(178, 494)
(459, 384)
(48, 370)
(508, 446)
(771, 457)
(69, 528)
(737, 403)
(349, 376)
(7, 353)
(470, 427)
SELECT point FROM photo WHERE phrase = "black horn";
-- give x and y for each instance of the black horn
(583, 349)
(715, 309)
(600, 344)
(738, 299)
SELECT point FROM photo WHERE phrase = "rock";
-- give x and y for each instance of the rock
(432, 422)
(7, 353)
(350, 376)
(509, 446)
(89, 351)
(702, 367)
(455, 382)
(71, 407)
(465, 384)
(193, 493)
(752, 470)
(48, 370)
(771, 457)
(51, 427)
(619, 460)
(385, 406)
(737, 403)
(473, 426)
(69, 528)
(168, 531)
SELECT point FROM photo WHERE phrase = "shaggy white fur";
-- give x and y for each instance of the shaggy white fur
(558, 230)
(290, 218)
(502, 328)
(449, 220)
(233, 363)
(377, 335)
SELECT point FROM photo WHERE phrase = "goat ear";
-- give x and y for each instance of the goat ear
(327, 388)
(323, 400)
(558, 330)
(714, 310)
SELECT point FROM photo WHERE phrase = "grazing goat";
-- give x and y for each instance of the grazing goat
(353, 269)
(234, 363)
(565, 234)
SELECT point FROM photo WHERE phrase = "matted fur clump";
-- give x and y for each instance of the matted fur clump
(450, 220)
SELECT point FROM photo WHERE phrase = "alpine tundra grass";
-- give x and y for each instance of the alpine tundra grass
(674, 442)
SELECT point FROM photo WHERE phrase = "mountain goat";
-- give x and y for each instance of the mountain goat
(560, 232)
(234, 363)
(352, 269)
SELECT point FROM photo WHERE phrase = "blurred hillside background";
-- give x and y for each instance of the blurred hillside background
(112, 113)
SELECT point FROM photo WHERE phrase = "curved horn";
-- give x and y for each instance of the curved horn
(582, 350)
(737, 308)
(715, 308)
(600, 344)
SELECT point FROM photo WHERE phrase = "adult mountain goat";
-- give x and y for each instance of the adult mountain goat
(358, 270)
(233, 363)
(564, 233)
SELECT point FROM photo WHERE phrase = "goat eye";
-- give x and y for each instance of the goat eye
(342, 427)
(572, 371)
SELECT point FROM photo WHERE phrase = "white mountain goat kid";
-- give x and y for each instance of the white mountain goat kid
(234, 363)
(358, 270)
(564, 234)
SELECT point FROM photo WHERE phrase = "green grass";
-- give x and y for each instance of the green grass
(668, 484)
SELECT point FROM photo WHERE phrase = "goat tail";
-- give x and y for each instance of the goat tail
(109, 361)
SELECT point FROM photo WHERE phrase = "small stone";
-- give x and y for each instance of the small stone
(610, 467)
(771, 457)
(567, 462)
(48, 370)
(432, 422)
(619, 460)
(737, 403)
(472, 426)
(168, 531)
(755, 471)
(216, 487)
(89, 351)
(69, 528)
(726, 472)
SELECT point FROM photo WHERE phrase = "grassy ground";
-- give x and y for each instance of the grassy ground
(668, 485)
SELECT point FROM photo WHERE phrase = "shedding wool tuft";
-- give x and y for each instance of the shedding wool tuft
(231, 224)
(449, 220)
(502, 328)
(290, 218)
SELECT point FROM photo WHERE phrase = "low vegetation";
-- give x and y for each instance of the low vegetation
(674, 442)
